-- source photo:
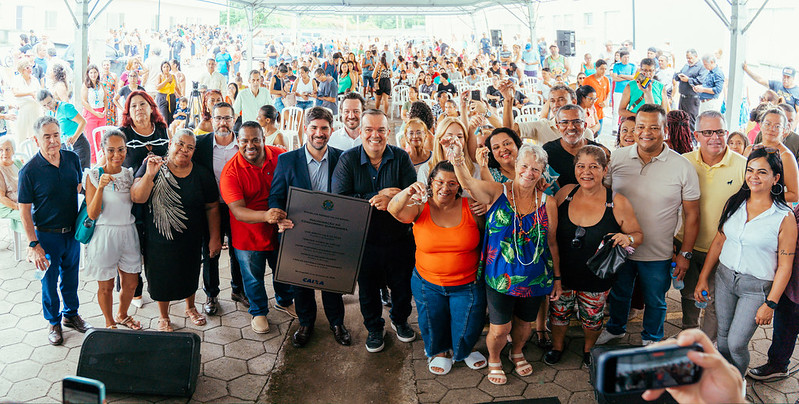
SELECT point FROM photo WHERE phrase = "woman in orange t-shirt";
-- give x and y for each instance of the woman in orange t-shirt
(450, 298)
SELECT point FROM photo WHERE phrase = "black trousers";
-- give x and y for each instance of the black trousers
(211, 265)
(395, 262)
(690, 104)
(305, 304)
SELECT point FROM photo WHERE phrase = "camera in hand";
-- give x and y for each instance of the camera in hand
(636, 370)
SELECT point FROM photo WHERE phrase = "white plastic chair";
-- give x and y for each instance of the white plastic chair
(96, 140)
(534, 110)
(399, 96)
(424, 97)
(292, 138)
(27, 149)
(291, 119)
(526, 118)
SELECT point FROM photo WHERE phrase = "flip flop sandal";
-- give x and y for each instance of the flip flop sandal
(129, 322)
(497, 374)
(473, 358)
(195, 317)
(441, 362)
(521, 365)
(164, 325)
(111, 327)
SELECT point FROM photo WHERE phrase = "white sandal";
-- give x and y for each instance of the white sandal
(520, 365)
(497, 373)
(473, 358)
(441, 362)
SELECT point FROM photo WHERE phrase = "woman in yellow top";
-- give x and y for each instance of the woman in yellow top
(167, 92)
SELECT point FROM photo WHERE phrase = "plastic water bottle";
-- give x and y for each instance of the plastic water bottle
(702, 305)
(677, 284)
(39, 275)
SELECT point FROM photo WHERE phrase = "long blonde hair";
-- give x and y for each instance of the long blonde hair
(438, 151)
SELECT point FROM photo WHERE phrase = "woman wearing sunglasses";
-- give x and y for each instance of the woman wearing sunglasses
(773, 128)
(754, 249)
(587, 211)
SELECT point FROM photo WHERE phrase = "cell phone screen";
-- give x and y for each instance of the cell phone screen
(646, 369)
(74, 391)
(476, 95)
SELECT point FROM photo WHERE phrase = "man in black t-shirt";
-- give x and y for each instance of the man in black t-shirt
(445, 85)
(571, 123)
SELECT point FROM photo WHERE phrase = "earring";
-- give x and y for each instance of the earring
(744, 186)
(782, 189)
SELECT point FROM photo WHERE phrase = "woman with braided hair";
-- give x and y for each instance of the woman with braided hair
(681, 137)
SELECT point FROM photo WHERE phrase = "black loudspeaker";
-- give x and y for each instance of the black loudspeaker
(141, 362)
(566, 43)
(633, 398)
(496, 37)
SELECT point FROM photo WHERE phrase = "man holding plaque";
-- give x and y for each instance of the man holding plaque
(310, 167)
(245, 184)
(376, 171)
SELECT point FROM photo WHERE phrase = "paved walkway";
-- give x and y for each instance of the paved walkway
(241, 366)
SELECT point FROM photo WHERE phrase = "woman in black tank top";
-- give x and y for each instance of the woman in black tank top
(586, 213)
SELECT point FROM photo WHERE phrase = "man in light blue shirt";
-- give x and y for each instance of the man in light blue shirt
(250, 100)
(530, 60)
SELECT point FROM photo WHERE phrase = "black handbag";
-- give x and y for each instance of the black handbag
(608, 259)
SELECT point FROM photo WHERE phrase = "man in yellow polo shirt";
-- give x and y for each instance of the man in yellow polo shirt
(721, 174)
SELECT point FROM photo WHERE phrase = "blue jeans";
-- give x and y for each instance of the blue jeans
(655, 281)
(64, 252)
(304, 104)
(786, 328)
(450, 317)
(253, 269)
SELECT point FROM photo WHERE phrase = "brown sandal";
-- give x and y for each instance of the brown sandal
(164, 325)
(129, 322)
(195, 317)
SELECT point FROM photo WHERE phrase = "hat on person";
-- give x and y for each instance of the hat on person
(528, 46)
(652, 49)
(789, 71)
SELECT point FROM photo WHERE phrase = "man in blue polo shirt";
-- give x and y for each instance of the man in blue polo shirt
(48, 205)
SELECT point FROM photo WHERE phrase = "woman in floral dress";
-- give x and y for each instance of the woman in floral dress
(109, 82)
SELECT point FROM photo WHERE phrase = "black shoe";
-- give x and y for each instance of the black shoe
(375, 341)
(341, 334)
(211, 305)
(54, 336)
(385, 297)
(239, 297)
(767, 372)
(552, 357)
(302, 336)
(587, 359)
(404, 332)
(76, 323)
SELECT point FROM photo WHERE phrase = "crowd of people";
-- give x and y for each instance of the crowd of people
(475, 210)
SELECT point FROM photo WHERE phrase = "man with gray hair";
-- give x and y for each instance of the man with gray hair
(721, 174)
(570, 120)
(692, 74)
(713, 84)
(48, 204)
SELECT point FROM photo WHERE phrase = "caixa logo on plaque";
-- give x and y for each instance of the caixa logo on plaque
(327, 204)
(313, 281)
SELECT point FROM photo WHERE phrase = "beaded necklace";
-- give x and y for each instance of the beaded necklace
(517, 218)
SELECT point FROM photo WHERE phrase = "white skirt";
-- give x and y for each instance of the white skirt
(111, 248)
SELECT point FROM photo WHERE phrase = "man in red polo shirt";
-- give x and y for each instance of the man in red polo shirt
(245, 184)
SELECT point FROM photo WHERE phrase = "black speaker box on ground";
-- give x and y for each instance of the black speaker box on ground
(634, 398)
(141, 362)
(566, 43)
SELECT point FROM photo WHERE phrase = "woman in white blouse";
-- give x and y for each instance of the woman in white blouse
(754, 249)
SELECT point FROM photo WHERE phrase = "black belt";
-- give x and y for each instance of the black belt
(60, 230)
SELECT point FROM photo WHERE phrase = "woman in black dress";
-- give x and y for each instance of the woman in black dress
(182, 198)
(587, 211)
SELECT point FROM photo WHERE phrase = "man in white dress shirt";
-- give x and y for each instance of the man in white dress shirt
(350, 135)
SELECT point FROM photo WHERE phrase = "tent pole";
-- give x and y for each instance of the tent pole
(531, 18)
(735, 85)
(250, 11)
(81, 48)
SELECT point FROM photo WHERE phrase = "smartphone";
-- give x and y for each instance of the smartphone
(76, 389)
(476, 95)
(639, 369)
(641, 79)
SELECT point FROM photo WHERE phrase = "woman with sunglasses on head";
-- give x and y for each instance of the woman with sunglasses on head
(449, 294)
(754, 250)
(587, 211)
(774, 127)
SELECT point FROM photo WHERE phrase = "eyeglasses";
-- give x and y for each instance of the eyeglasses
(223, 118)
(574, 122)
(769, 125)
(448, 184)
(579, 233)
(769, 150)
(712, 132)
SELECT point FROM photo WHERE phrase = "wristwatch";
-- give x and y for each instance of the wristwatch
(687, 254)
(33, 243)
(771, 304)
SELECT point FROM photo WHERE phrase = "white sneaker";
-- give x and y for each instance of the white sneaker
(607, 336)
(647, 342)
